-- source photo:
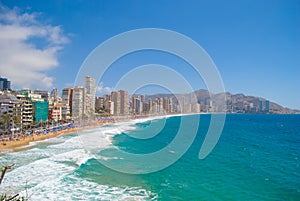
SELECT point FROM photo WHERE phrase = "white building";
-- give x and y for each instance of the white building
(116, 99)
(11, 107)
(121, 102)
(78, 102)
(27, 112)
(89, 85)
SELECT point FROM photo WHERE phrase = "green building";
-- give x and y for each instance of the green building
(40, 110)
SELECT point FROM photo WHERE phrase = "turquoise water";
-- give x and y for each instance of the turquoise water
(256, 158)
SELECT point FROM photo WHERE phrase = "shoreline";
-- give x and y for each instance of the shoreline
(17, 144)
(24, 141)
(14, 145)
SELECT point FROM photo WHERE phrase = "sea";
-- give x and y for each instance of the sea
(257, 157)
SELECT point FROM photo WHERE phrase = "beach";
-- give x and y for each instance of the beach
(21, 141)
(25, 140)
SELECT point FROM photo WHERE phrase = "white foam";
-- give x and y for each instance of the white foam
(97, 139)
(79, 156)
(5, 151)
(74, 188)
(46, 171)
(72, 143)
(34, 173)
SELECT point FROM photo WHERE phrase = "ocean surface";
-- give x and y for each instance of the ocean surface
(256, 158)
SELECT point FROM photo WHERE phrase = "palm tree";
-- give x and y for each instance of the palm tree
(16, 122)
(6, 118)
(17, 118)
(1, 124)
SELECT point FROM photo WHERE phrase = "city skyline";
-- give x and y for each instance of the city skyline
(254, 45)
(82, 101)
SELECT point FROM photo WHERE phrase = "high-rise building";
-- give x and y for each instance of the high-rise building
(143, 98)
(78, 102)
(121, 102)
(11, 107)
(40, 110)
(89, 85)
(139, 106)
(115, 97)
(188, 108)
(54, 95)
(154, 108)
(99, 104)
(146, 107)
(134, 104)
(160, 108)
(260, 106)
(27, 116)
(267, 106)
(107, 97)
(264, 106)
(67, 96)
(40, 103)
(150, 104)
(124, 110)
(182, 103)
(171, 105)
(4, 84)
(110, 107)
(166, 104)
(196, 108)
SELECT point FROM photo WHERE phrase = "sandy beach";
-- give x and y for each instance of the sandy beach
(22, 141)
(25, 140)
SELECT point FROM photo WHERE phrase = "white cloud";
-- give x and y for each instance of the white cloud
(103, 90)
(21, 60)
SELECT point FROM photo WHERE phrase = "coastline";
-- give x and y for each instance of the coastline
(16, 144)
(24, 141)
(13, 145)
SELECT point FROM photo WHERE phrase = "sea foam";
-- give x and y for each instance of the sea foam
(47, 170)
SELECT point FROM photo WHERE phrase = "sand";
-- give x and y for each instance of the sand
(23, 141)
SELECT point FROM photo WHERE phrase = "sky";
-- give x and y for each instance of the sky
(254, 44)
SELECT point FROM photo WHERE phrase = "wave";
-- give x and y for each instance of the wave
(74, 188)
(51, 176)
(47, 170)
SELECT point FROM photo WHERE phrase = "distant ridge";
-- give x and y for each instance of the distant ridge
(236, 103)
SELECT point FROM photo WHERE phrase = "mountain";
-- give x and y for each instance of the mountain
(235, 103)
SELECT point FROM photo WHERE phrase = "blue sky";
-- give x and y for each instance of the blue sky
(254, 44)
